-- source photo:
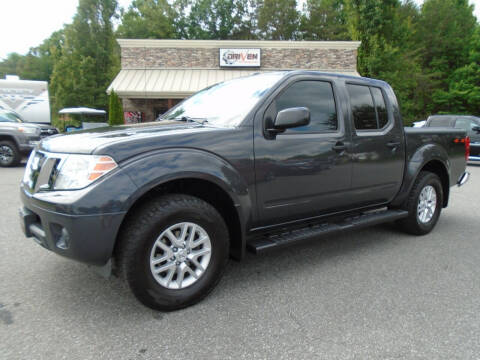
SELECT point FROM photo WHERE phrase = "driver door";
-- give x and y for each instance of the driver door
(303, 171)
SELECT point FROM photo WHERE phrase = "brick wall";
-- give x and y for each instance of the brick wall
(271, 58)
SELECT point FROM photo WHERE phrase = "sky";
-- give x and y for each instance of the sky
(26, 23)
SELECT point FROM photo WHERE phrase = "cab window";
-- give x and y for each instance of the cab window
(368, 107)
(315, 95)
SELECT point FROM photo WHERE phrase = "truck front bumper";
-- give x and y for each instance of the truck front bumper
(86, 238)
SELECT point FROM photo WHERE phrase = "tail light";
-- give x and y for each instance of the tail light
(466, 141)
(467, 148)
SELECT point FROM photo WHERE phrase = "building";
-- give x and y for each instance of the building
(156, 74)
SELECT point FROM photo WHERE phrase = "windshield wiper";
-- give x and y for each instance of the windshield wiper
(192, 119)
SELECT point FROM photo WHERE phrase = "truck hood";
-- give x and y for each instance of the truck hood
(105, 140)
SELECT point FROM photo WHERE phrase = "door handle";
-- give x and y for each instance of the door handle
(393, 144)
(339, 146)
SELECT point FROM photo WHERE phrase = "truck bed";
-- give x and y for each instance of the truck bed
(445, 137)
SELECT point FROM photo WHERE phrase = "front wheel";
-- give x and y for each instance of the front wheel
(424, 204)
(174, 251)
(9, 154)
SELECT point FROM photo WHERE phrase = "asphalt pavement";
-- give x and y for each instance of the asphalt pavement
(370, 294)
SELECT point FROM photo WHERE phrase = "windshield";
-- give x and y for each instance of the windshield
(227, 103)
(9, 117)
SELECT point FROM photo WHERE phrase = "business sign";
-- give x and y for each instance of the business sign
(239, 57)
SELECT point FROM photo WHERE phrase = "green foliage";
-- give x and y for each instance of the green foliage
(38, 63)
(463, 94)
(115, 110)
(444, 39)
(324, 20)
(430, 55)
(147, 19)
(214, 19)
(88, 60)
(277, 19)
(444, 30)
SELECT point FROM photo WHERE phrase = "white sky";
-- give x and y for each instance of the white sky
(26, 23)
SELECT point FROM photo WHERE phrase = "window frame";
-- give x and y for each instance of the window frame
(340, 125)
(374, 132)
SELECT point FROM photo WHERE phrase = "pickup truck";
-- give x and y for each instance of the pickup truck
(471, 124)
(18, 138)
(255, 163)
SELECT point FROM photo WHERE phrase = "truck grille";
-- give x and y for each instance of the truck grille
(48, 132)
(41, 171)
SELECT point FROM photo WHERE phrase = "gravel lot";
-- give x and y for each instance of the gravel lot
(370, 294)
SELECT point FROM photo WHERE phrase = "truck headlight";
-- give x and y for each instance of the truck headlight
(78, 171)
(29, 130)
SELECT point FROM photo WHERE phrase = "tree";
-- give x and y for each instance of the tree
(10, 66)
(371, 22)
(444, 31)
(88, 60)
(215, 19)
(38, 63)
(115, 110)
(463, 94)
(147, 19)
(277, 19)
(324, 20)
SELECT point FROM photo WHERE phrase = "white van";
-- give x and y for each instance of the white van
(27, 98)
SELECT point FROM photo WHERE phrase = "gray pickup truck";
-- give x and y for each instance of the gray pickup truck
(471, 124)
(255, 163)
(17, 138)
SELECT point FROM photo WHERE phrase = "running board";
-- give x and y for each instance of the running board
(282, 239)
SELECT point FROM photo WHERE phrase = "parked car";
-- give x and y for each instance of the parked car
(45, 129)
(18, 138)
(255, 163)
(471, 124)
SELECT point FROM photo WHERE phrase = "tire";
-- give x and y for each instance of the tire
(9, 154)
(421, 223)
(141, 244)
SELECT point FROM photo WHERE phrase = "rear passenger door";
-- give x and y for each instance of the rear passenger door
(378, 151)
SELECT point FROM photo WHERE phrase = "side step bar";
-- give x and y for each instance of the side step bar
(282, 239)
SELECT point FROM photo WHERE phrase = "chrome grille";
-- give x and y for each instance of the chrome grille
(48, 132)
(40, 171)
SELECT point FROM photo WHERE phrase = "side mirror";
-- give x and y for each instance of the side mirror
(476, 129)
(291, 118)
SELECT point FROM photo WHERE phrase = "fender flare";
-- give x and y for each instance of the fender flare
(150, 170)
(422, 157)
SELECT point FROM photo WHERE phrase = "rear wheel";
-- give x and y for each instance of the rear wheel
(424, 204)
(174, 251)
(9, 154)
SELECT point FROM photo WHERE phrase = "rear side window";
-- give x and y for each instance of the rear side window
(380, 107)
(362, 107)
(440, 121)
(463, 124)
(317, 96)
(368, 107)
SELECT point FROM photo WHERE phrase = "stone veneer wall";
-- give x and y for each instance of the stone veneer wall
(208, 58)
